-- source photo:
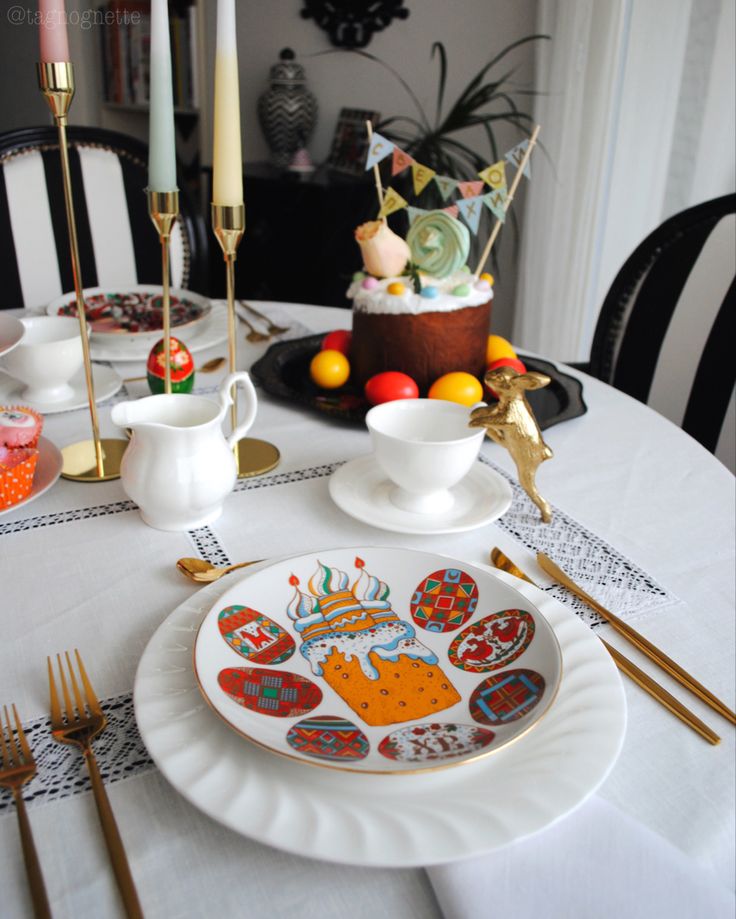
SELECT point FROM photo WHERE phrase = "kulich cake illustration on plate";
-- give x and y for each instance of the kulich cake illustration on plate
(353, 639)
(20, 430)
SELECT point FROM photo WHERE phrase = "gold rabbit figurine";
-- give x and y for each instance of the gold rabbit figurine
(511, 423)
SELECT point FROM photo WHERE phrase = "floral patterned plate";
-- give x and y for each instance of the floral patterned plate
(134, 315)
(377, 660)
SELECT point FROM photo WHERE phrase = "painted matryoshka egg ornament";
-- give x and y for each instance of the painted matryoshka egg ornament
(182, 367)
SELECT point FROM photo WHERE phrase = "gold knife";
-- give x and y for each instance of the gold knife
(627, 667)
(638, 640)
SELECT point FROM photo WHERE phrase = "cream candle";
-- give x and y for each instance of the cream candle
(52, 31)
(161, 135)
(227, 159)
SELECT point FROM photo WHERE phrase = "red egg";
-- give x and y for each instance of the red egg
(339, 340)
(389, 386)
(512, 362)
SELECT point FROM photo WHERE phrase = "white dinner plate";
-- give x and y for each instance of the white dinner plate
(11, 332)
(383, 820)
(377, 660)
(106, 383)
(113, 329)
(48, 470)
(205, 334)
(361, 488)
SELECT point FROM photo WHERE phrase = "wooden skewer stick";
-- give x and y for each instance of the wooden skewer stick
(376, 172)
(509, 199)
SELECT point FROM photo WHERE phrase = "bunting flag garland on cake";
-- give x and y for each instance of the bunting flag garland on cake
(471, 203)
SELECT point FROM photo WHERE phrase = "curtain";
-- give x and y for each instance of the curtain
(624, 131)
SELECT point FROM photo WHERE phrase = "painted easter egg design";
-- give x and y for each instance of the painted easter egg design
(181, 364)
(254, 636)
(506, 696)
(492, 642)
(329, 738)
(270, 692)
(426, 743)
(444, 600)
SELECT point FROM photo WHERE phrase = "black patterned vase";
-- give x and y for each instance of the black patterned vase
(287, 110)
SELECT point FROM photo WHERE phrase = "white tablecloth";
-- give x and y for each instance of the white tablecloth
(73, 572)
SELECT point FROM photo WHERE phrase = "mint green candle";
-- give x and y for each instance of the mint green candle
(161, 135)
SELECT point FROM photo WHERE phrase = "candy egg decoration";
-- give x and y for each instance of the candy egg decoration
(182, 368)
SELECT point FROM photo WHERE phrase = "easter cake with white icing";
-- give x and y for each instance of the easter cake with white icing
(417, 308)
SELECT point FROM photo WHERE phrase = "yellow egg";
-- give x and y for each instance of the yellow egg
(396, 287)
(497, 348)
(486, 277)
(329, 369)
(457, 386)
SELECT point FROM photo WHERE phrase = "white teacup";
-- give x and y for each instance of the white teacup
(47, 357)
(425, 447)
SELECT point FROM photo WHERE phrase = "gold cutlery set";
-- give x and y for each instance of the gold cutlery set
(253, 335)
(641, 643)
(76, 719)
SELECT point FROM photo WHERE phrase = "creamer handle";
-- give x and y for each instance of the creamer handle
(251, 403)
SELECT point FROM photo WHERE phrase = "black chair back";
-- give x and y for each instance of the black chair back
(117, 242)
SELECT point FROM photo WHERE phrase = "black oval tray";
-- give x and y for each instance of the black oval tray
(283, 371)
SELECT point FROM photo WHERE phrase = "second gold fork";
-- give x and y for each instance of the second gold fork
(80, 722)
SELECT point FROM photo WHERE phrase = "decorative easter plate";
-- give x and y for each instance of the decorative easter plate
(134, 315)
(377, 660)
(383, 820)
(283, 371)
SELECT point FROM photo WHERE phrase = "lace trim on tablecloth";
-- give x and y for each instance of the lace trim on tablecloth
(61, 770)
(605, 572)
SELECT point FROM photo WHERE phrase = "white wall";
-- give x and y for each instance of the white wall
(472, 31)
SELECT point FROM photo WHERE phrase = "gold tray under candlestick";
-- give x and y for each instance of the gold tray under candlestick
(163, 208)
(252, 457)
(96, 460)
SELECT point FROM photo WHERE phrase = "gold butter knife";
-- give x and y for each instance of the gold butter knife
(638, 640)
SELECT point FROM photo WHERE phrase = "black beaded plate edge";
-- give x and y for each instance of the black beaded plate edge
(283, 371)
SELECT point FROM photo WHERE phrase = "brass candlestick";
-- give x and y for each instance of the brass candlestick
(96, 460)
(163, 208)
(252, 456)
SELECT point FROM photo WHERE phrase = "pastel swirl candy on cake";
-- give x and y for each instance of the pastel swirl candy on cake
(439, 243)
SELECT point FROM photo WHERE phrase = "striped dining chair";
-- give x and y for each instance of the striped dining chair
(117, 241)
(664, 331)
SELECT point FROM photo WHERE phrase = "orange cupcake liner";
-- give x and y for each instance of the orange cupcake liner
(16, 480)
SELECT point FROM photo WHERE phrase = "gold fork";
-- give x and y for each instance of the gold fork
(271, 326)
(78, 724)
(17, 768)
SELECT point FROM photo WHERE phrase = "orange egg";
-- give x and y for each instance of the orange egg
(457, 386)
(497, 348)
(329, 369)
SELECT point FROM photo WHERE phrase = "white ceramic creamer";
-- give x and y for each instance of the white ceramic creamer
(179, 466)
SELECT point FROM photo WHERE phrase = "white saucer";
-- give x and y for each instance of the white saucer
(361, 489)
(106, 383)
(204, 334)
(48, 470)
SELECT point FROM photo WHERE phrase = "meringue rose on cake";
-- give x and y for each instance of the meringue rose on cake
(385, 254)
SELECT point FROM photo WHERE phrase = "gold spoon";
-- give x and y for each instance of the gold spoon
(196, 569)
(627, 667)
(253, 334)
(209, 366)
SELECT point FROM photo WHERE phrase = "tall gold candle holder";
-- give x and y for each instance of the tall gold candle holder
(96, 460)
(163, 208)
(252, 456)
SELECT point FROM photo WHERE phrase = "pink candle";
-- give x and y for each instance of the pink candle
(54, 41)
